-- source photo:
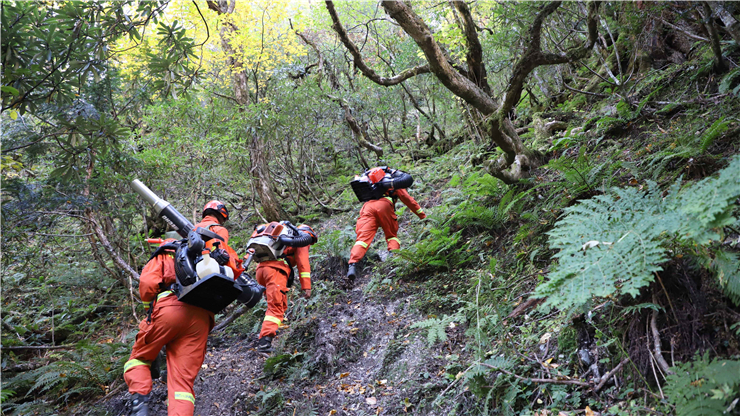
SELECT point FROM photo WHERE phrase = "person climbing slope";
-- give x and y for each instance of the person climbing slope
(379, 188)
(275, 273)
(181, 327)
(214, 216)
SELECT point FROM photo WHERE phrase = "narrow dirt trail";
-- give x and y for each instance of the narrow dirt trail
(360, 357)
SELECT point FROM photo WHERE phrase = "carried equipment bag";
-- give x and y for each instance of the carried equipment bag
(201, 281)
(374, 183)
(269, 240)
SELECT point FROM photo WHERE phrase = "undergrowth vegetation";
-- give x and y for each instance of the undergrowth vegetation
(607, 281)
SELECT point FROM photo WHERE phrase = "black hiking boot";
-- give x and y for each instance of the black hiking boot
(264, 345)
(140, 405)
(351, 272)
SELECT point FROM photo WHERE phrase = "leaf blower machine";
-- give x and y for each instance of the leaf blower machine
(268, 241)
(201, 280)
(375, 182)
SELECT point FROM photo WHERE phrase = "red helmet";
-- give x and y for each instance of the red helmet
(308, 230)
(216, 207)
(376, 174)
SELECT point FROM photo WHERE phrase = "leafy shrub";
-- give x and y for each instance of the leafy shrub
(436, 327)
(612, 244)
(336, 243)
(439, 250)
(582, 174)
(81, 372)
(704, 387)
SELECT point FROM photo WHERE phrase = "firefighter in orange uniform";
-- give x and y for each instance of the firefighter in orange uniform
(381, 213)
(274, 275)
(181, 327)
(214, 217)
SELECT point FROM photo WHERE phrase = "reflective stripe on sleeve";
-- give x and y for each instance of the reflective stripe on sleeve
(135, 363)
(389, 198)
(306, 274)
(420, 211)
(146, 304)
(361, 243)
(273, 319)
(182, 395)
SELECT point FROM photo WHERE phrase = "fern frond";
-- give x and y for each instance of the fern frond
(714, 131)
(609, 244)
(702, 387)
(612, 244)
(500, 362)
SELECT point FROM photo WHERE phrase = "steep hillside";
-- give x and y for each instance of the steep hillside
(581, 251)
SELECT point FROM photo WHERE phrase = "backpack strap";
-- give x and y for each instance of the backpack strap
(171, 246)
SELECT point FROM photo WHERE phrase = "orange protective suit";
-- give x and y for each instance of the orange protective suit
(211, 223)
(273, 275)
(181, 327)
(381, 213)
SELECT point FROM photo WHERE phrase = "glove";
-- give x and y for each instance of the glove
(221, 256)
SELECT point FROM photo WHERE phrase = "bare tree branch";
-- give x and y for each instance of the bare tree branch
(732, 25)
(360, 63)
(534, 57)
(476, 66)
(458, 84)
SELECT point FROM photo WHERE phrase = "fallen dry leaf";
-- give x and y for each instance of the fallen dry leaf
(589, 412)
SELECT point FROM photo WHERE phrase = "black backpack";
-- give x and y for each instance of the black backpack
(215, 291)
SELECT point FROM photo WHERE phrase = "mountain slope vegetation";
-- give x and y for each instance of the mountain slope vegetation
(578, 163)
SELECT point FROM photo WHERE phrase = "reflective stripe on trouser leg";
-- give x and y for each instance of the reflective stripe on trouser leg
(274, 281)
(393, 243)
(133, 363)
(183, 395)
(273, 319)
(185, 356)
(367, 226)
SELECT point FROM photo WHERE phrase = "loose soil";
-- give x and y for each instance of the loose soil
(364, 359)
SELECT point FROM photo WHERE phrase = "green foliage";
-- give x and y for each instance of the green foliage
(731, 83)
(714, 131)
(612, 244)
(582, 173)
(704, 387)
(436, 327)
(50, 51)
(335, 243)
(82, 372)
(438, 249)
(278, 364)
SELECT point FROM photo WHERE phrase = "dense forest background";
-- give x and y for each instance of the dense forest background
(578, 163)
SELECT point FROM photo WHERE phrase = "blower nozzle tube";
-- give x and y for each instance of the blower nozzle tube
(164, 209)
